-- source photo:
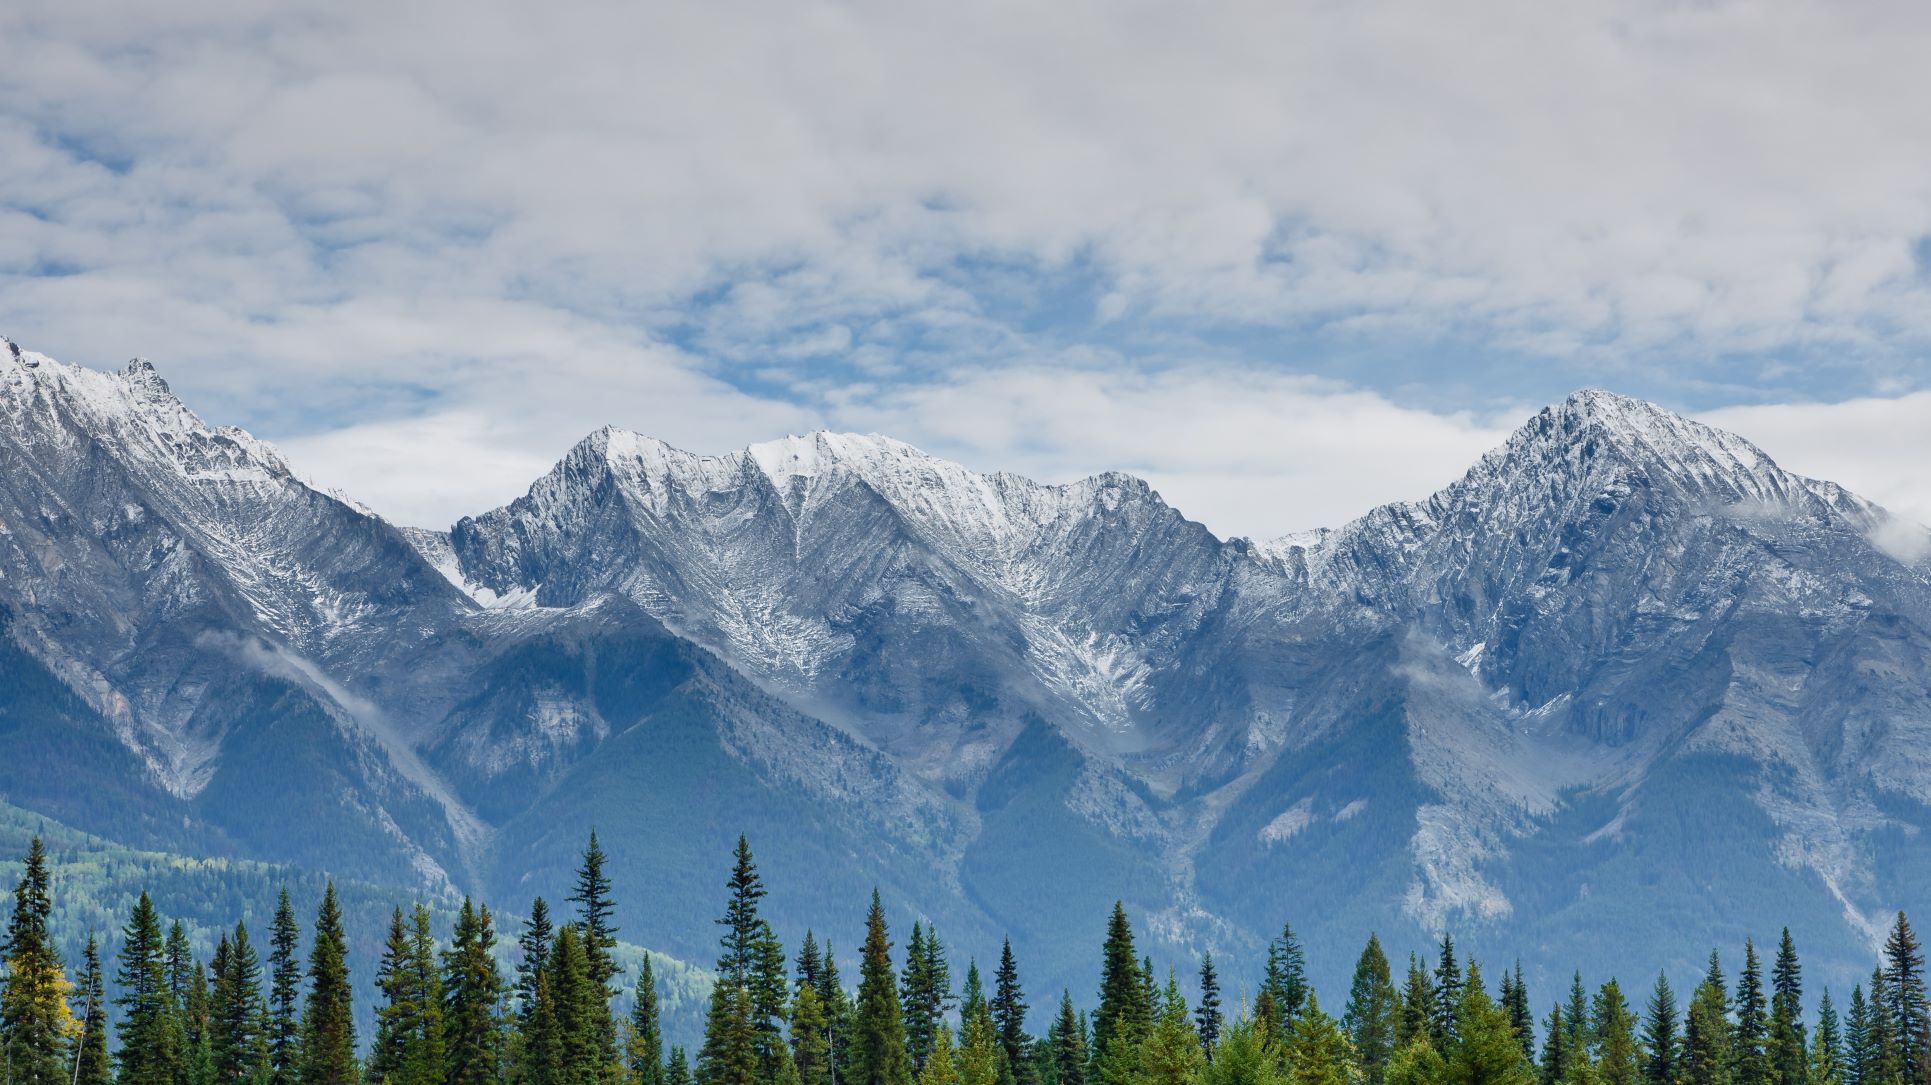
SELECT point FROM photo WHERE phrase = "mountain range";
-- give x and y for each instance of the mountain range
(1625, 677)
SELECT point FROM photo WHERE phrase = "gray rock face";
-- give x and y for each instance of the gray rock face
(1624, 644)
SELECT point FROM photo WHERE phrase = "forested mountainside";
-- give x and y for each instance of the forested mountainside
(1626, 674)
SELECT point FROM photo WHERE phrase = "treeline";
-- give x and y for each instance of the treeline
(450, 1014)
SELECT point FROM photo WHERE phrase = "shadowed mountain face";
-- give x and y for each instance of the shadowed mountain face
(1626, 674)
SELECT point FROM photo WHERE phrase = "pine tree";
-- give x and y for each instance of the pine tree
(595, 908)
(1789, 1054)
(1417, 1014)
(730, 1053)
(1886, 1066)
(810, 1044)
(1416, 1063)
(239, 1017)
(91, 1065)
(284, 994)
(839, 1033)
(1486, 1050)
(980, 1058)
(197, 1067)
(150, 1052)
(677, 1069)
(1317, 1050)
(1555, 1069)
(393, 1018)
(1371, 1012)
(1009, 1016)
(35, 1020)
(328, 1018)
(1706, 1033)
(915, 993)
(532, 956)
(1448, 996)
(1068, 1036)
(941, 1068)
(644, 1050)
(1614, 1027)
(472, 993)
(1908, 1014)
(1286, 976)
(1245, 1057)
(878, 1042)
(1662, 1049)
(1515, 1002)
(577, 996)
(1749, 1042)
(1859, 1058)
(1207, 1018)
(1122, 1013)
(742, 927)
(1826, 1059)
(1582, 1035)
(539, 1048)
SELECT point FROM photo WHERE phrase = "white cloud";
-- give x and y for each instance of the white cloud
(1876, 447)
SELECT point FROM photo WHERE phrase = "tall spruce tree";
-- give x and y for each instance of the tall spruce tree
(926, 992)
(1171, 1054)
(238, 1015)
(1706, 1032)
(35, 1020)
(1317, 1050)
(878, 1042)
(644, 1051)
(1749, 1042)
(284, 994)
(1515, 1002)
(1859, 1058)
(1789, 1051)
(810, 1041)
(1486, 1051)
(1369, 1019)
(1448, 996)
(1207, 1016)
(577, 995)
(1909, 1015)
(328, 1017)
(1121, 1018)
(472, 994)
(1662, 1048)
(1556, 1061)
(595, 910)
(1417, 1014)
(1826, 1060)
(1009, 1008)
(532, 956)
(1286, 975)
(1613, 1025)
(150, 1052)
(1068, 1038)
(91, 1065)
(394, 1016)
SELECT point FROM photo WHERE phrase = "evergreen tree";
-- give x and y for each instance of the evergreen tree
(980, 1059)
(239, 1017)
(1416, 1063)
(393, 1018)
(1556, 1069)
(1317, 1050)
(1706, 1033)
(1887, 1060)
(1448, 996)
(1904, 983)
(1171, 1054)
(198, 1064)
(1613, 1024)
(472, 993)
(878, 1043)
(1245, 1056)
(1370, 1016)
(532, 956)
(677, 1070)
(539, 1046)
(1068, 1037)
(1859, 1057)
(35, 1020)
(595, 908)
(1417, 1014)
(644, 1052)
(942, 1067)
(1826, 1066)
(1486, 1051)
(1286, 976)
(328, 1018)
(91, 1065)
(743, 929)
(921, 1022)
(1122, 1012)
(577, 996)
(810, 1042)
(1582, 1035)
(1207, 1018)
(1662, 1049)
(1749, 1042)
(150, 1052)
(284, 994)
(1009, 1017)
(1515, 1002)
(839, 1034)
(1789, 1054)
(730, 1053)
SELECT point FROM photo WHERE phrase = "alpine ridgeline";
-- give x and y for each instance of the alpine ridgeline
(1625, 675)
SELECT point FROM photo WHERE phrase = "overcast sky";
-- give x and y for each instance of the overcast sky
(1287, 260)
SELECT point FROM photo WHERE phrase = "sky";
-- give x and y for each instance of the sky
(1287, 260)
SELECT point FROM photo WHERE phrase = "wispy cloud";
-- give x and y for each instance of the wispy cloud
(450, 235)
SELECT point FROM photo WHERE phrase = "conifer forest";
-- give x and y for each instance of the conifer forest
(472, 1002)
